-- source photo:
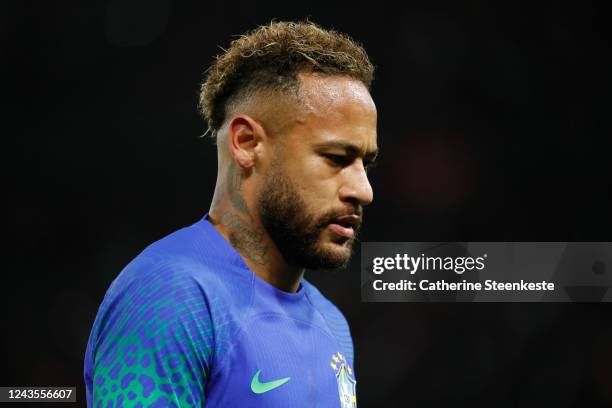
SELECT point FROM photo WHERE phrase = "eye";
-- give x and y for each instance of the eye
(338, 160)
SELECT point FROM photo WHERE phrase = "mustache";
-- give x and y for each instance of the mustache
(329, 217)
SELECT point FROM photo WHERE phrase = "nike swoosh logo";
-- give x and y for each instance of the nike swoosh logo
(259, 388)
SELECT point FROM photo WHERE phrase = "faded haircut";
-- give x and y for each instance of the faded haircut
(269, 58)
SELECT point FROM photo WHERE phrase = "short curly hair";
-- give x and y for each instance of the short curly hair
(270, 58)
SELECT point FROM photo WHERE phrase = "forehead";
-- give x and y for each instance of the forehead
(335, 109)
(324, 93)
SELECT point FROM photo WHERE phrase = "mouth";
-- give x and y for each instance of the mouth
(345, 226)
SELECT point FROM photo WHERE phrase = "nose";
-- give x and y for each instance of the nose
(356, 187)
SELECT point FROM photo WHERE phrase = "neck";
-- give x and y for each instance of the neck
(250, 240)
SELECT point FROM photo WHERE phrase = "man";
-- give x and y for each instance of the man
(218, 313)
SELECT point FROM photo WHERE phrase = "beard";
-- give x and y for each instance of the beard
(295, 231)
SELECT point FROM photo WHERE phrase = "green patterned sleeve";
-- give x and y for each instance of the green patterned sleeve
(154, 342)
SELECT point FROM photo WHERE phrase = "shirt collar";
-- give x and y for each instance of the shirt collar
(226, 254)
(223, 250)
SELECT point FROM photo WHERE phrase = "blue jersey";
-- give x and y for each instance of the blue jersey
(187, 324)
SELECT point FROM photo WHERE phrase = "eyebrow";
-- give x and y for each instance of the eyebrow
(350, 149)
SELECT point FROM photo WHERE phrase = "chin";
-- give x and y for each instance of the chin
(335, 255)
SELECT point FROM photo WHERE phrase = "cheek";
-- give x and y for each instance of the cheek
(315, 181)
(319, 195)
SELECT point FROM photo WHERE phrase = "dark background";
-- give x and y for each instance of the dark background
(492, 127)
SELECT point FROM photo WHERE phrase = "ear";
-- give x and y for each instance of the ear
(245, 136)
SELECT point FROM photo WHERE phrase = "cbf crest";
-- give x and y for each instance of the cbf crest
(346, 381)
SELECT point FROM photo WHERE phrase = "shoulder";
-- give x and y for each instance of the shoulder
(185, 260)
(176, 279)
(155, 289)
(334, 318)
(179, 297)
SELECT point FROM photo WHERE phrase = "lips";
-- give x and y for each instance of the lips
(345, 226)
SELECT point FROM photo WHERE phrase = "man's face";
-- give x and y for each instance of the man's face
(316, 183)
